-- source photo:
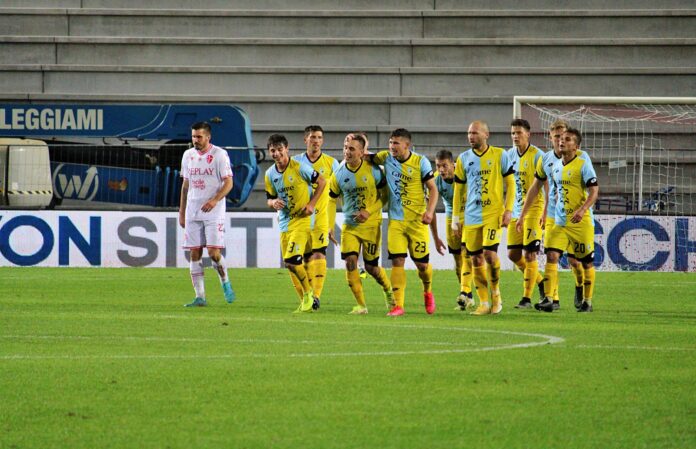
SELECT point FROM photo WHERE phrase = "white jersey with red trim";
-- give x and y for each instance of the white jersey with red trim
(205, 171)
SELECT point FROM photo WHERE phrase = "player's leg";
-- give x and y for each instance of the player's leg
(556, 242)
(578, 274)
(215, 242)
(515, 244)
(397, 245)
(293, 245)
(491, 241)
(474, 247)
(419, 248)
(462, 267)
(350, 249)
(371, 243)
(194, 240)
(531, 245)
(317, 261)
(582, 239)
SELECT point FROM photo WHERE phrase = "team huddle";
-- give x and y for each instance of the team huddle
(486, 188)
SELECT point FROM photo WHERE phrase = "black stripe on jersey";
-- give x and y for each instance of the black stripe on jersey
(270, 196)
(460, 181)
(592, 182)
(315, 176)
(382, 182)
(333, 195)
(511, 171)
(536, 175)
(428, 176)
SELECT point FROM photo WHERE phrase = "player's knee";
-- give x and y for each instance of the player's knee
(422, 261)
(292, 262)
(514, 252)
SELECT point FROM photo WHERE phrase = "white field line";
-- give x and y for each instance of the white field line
(545, 340)
(638, 348)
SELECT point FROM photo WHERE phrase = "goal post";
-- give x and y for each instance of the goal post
(644, 152)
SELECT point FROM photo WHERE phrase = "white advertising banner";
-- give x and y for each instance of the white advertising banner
(153, 239)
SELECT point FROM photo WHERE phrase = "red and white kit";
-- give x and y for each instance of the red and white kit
(205, 172)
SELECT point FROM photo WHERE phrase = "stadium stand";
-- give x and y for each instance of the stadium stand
(428, 65)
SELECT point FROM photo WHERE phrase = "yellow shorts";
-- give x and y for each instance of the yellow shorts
(454, 245)
(365, 238)
(411, 236)
(529, 238)
(482, 236)
(576, 238)
(320, 236)
(293, 244)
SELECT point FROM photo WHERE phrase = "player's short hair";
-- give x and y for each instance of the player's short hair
(576, 133)
(558, 124)
(276, 140)
(205, 126)
(401, 132)
(521, 122)
(312, 129)
(360, 139)
(444, 155)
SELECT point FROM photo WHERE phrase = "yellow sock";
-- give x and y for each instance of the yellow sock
(426, 277)
(383, 280)
(578, 273)
(530, 275)
(467, 274)
(302, 277)
(481, 283)
(551, 278)
(398, 281)
(297, 284)
(588, 282)
(317, 272)
(493, 272)
(521, 264)
(458, 265)
(355, 284)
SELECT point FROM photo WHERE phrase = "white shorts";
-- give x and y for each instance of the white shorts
(210, 234)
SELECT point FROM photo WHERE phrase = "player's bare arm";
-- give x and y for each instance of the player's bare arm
(219, 195)
(433, 196)
(592, 194)
(309, 208)
(509, 200)
(542, 220)
(182, 203)
(439, 244)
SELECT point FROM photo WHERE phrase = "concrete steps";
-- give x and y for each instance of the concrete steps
(325, 24)
(112, 51)
(356, 81)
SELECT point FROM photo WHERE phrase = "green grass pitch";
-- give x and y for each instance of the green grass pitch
(109, 358)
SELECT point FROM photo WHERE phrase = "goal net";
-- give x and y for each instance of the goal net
(644, 153)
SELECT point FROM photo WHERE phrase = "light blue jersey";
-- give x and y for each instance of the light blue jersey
(571, 181)
(294, 186)
(446, 190)
(525, 168)
(483, 175)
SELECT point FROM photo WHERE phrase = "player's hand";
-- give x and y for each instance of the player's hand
(456, 229)
(542, 221)
(577, 216)
(278, 204)
(440, 246)
(361, 216)
(307, 210)
(332, 237)
(519, 225)
(507, 216)
(209, 205)
(427, 218)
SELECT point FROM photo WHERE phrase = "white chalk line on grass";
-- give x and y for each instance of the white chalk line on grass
(545, 340)
(634, 347)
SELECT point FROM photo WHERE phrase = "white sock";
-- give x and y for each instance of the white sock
(221, 269)
(196, 269)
